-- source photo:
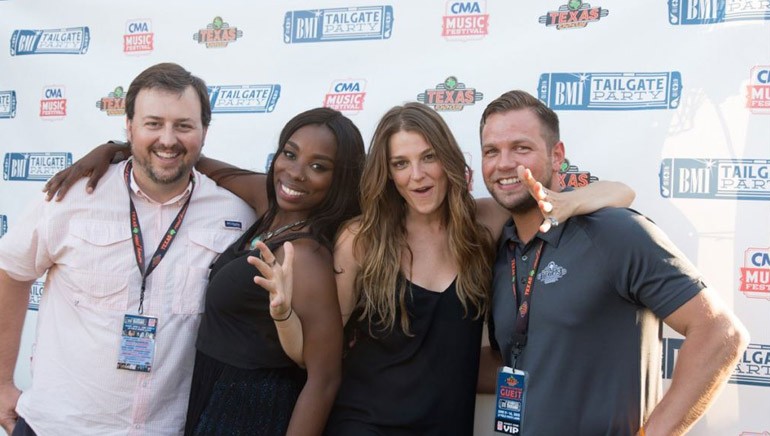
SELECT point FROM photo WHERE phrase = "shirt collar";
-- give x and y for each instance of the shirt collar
(179, 199)
(551, 237)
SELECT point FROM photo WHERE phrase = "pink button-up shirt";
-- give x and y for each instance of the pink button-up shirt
(84, 243)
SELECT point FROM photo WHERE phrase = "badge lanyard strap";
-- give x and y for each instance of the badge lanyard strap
(522, 316)
(165, 243)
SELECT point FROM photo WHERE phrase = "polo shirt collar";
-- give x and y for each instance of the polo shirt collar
(551, 237)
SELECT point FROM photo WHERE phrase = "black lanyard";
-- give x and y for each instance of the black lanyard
(519, 337)
(165, 243)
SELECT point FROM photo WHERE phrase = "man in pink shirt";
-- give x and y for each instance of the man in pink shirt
(127, 267)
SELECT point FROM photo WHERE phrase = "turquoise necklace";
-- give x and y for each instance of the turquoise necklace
(267, 235)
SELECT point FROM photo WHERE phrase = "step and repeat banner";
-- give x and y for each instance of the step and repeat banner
(671, 97)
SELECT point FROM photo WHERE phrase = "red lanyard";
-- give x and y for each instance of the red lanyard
(165, 243)
(522, 316)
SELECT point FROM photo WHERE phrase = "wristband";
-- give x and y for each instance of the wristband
(291, 311)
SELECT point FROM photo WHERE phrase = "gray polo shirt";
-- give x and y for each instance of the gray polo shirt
(604, 283)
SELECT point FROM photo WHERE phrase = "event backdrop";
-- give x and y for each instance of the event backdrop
(671, 97)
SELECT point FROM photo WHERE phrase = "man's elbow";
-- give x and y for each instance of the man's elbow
(736, 337)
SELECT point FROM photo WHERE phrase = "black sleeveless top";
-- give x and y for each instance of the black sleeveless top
(424, 384)
(236, 327)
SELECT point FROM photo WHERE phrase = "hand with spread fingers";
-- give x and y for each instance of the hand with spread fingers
(555, 206)
(93, 165)
(9, 396)
(276, 278)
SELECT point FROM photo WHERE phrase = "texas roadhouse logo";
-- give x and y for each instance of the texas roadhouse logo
(574, 15)
(741, 179)
(758, 91)
(346, 96)
(53, 105)
(465, 21)
(338, 24)
(139, 38)
(685, 12)
(114, 103)
(7, 104)
(217, 34)
(451, 95)
(752, 369)
(571, 176)
(34, 166)
(755, 274)
(244, 98)
(73, 40)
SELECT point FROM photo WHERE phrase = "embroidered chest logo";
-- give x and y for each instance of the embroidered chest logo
(551, 273)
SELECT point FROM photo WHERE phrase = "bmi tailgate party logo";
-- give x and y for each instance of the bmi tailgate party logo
(139, 38)
(37, 167)
(451, 95)
(755, 275)
(3, 225)
(243, 98)
(610, 91)
(217, 34)
(574, 15)
(716, 11)
(73, 40)
(465, 21)
(338, 24)
(758, 91)
(53, 105)
(7, 104)
(346, 95)
(753, 368)
(114, 103)
(35, 295)
(741, 179)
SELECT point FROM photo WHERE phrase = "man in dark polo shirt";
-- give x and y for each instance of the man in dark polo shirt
(587, 326)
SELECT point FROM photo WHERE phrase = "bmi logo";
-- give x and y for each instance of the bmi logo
(139, 38)
(243, 98)
(741, 179)
(574, 15)
(338, 24)
(753, 368)
(114, 103)
(758, 91)
(610, 91)
(31, 166)
(346, 95)
(35, 295)
(7, 104)
(465, 21)
(571, 176)
(53, 105)
(716, 11)
(755, 275)
(73, 40)
(451, 95)
(217, 34)
(3, 225)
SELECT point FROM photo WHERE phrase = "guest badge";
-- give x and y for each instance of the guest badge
(509, 408)
(137, 343)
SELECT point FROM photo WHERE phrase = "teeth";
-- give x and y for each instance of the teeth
(290, 191)
(508, 181)
(166, 155)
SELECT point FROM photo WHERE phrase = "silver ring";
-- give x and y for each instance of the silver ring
(554, 221)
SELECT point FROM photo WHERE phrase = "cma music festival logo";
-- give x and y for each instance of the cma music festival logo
(139, 38)
(574, 15)
(34, 167)
(3, 225)
(716, 11)
(217, 34)
(465, 21)
(755, 275)
(610, 91)
(35, 295)
(753, 368)
(451, 95)
(758, 91)
(346, 96)
(741, 179)
(338, 24)
(243, 98)
(73, 40)
(115, 102)
(7, 104)
(53, 105)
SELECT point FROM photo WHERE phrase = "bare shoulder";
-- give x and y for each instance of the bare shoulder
(309, 253)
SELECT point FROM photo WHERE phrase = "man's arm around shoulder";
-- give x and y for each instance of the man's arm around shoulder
(714, 341)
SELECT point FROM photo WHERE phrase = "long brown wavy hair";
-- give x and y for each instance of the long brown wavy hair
(381, 239)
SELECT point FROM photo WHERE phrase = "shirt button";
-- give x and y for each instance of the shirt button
(144, 384)
(523, 280)
(524, 258)
(137, 426)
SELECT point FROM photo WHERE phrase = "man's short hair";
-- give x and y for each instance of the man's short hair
(516, 100)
